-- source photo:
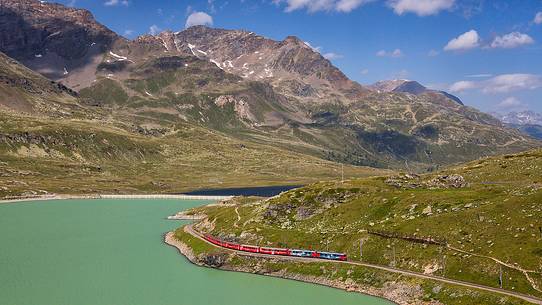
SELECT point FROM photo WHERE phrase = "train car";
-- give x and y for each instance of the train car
(211, 239)
(302, 253)
(247, 248)
(274, 251)
(332, 256)
(233, 246)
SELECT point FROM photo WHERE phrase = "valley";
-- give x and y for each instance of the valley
(432, 200)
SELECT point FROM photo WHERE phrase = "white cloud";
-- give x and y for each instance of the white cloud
(347, 6)
(465, 41)
(154, 29)
(393, 54)
(512, 82)
(364, 71)
(503, 83)
(199, 18)
(462, 86)
(481, 75)
(538, 18)
(512, 40)
(116, 2)
(420, 7)
(128, 33)
(344, 6)
(510, 103)
(332, 56)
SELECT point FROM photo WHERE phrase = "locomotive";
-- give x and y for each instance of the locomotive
(276, 251)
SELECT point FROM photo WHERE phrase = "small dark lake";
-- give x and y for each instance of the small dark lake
(262, 191)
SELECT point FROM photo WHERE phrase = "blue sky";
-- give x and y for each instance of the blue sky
(488, 52)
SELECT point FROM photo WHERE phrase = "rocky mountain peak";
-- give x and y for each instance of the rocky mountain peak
(51, 39)
(520, 118)
(289, 65)
(294, 40)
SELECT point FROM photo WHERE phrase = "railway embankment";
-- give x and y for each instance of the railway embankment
(398, 286)
(262, 265)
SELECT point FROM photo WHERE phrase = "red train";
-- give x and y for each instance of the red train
(276, 251)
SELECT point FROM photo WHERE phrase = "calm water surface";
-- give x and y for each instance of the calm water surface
(110, 252)
(262, 191)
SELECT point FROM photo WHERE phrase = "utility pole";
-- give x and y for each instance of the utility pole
(342, 173)
(444, 266)
(394, 264)
(500, 276)
(361, 249)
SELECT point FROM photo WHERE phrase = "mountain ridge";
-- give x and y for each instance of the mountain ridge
(282, 93)
(412, 87)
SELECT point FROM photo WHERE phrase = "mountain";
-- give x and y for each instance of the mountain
(520, 118)
(412, 87)
(52, 39)
(53, 140)
(278, 93)
(291, 65)
(528, 122)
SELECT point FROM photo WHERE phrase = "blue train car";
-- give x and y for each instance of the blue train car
(302, 253)
(332, 255)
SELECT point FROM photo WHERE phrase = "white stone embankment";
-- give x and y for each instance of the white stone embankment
(166, 196)
(106, 196)
(47, 197)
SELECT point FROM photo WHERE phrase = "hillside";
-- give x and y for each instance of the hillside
(51, 140)
(278, 93)
(480, 221)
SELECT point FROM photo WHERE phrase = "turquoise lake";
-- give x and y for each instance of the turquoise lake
(111, 252)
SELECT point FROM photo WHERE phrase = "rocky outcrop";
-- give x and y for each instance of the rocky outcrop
(414, 181)
(241, 108)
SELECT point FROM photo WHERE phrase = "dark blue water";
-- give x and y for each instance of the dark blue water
(262, 191)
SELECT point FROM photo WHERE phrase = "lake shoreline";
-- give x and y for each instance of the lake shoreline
(112, 196)
(46, 198)
(186, 251)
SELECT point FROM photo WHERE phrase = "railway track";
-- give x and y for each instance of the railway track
(190, 230)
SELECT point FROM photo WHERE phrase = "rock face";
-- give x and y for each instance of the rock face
(411, 181)
(51, 38)
(289, 64)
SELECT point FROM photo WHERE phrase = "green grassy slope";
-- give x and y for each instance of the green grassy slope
(495, 213)
(86, 156)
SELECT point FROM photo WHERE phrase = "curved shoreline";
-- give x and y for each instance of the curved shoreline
(185, 250)
(531, 299)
